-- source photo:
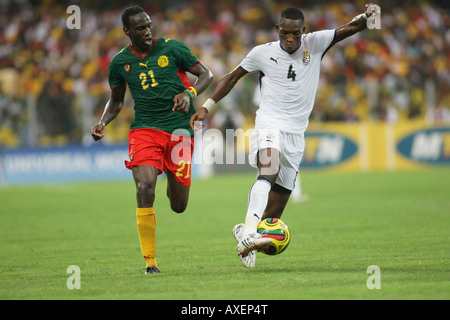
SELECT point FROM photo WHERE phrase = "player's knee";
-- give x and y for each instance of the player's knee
(178, 207)
(145, 187)
(145, 190)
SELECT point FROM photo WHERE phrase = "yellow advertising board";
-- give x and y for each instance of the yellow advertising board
(364, 146)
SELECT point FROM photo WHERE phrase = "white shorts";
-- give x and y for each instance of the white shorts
(291, 147)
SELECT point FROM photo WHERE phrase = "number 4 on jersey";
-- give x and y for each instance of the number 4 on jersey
(291, 73)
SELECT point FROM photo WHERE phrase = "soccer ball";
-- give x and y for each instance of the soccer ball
(279, 232)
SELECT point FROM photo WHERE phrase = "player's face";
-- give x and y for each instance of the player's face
(140, 31)
(290, 33)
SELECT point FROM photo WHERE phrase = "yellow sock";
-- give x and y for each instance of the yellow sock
(146, 225)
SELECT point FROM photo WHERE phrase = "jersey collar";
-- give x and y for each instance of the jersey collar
(145, 54)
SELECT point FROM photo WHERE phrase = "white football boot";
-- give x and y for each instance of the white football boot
(254, 241)
(247, 245)
(238, 231)
(249, 260)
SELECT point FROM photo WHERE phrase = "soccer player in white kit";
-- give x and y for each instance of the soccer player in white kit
(289, 75)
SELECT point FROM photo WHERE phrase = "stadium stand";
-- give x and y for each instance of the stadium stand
(53, 80)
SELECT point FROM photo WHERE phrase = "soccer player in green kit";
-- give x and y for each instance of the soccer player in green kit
(155, 71)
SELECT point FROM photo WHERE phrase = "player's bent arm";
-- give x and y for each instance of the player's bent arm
(204, 78)
(227, 83)
(359, 23)
(112, 109)
(221, 90)
(350, 29)
(115, 104)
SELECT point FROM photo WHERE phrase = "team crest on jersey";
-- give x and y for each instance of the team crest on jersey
(127, 68)
(306, 57)
(163, 61)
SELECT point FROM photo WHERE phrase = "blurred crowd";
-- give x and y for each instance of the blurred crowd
(53, 80)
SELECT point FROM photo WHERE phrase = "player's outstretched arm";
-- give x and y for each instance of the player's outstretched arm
(359, 23)
(112, 109)
(221, 90)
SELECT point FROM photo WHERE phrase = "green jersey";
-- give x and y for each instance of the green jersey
(154, 79)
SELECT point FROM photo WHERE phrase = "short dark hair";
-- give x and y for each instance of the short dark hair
(128, 12)
(292, 13)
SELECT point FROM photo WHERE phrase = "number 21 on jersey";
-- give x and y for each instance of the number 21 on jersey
(184, 169)
(143, 77)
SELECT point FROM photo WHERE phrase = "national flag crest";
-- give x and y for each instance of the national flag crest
(127, 68)
(306, 57)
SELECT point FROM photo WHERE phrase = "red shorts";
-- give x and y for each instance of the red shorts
(162, 150)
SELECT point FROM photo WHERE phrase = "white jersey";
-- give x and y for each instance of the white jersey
(288, 81)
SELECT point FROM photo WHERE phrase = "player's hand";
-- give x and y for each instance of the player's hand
(367, 11)
(182, 102)
(371, 14)
(197, 117)
(97, 131)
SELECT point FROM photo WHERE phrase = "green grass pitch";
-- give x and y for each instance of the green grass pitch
(398, 221)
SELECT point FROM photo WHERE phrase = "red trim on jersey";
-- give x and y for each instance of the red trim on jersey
(195, 66)
(184, 78)
(154, 42)
(117, 86)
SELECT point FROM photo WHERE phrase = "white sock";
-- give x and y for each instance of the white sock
(257, 202)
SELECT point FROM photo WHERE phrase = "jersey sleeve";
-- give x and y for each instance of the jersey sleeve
(323, 39)
(184, 57)
(114, 78)
(250, 62)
